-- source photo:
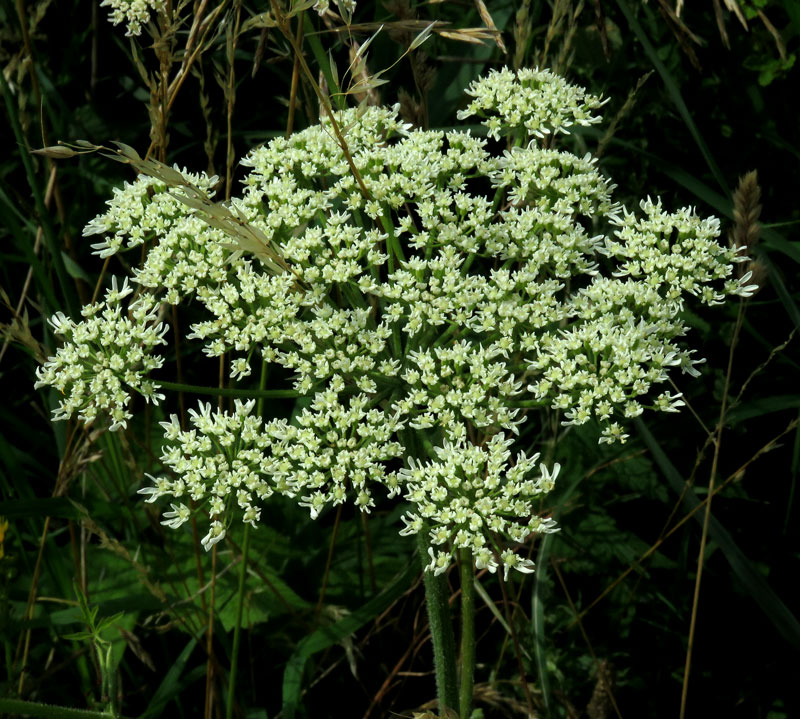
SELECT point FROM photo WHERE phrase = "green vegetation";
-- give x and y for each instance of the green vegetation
(670, 589)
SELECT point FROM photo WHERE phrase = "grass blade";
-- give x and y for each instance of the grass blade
(67, 290)
(763, 405)
(20, 707)
(538, 628)
(769, 602)
(674, 93)
(783, 293)
(170, 687)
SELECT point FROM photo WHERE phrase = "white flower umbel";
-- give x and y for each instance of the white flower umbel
(133, 13)
(677, 253)
(223, 460)
(537, 102)
(471, 497)
(185, 253)
(105, 357)
(421, 318)
(338, 448)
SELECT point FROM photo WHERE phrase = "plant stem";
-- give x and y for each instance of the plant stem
(324, 101)
(298, 38)
(262, 383)
(707, 515)
(444, 644)
(467, 634)
(226, 392)
(237, 630)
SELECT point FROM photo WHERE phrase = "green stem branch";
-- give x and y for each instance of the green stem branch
(227, 392)
(237, 630)
(467, 634)
(444, 645)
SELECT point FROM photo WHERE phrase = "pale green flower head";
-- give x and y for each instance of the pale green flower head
(421, 321)
(345, 7)
(105, 357)
(132, 13)
(529, 102)
(471, 497)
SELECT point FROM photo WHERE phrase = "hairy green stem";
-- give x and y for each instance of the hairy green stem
(237, 630)
(467, 634)
(444, 644)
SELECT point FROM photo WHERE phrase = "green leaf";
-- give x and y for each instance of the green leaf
(40, 508)
(19, 707)
(319, 54)
(783, 293)
(77, 636)
(790, 249)
(73, 268)
(272, 597)
(325, 637)
(762, 406)
(170, 686)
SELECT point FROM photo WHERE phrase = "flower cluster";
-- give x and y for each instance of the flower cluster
(417, 309)
(676, 252)
(467, 490)
(346, 7)
(105, 356)
(235, 459)
(134, 13)
(221, 459)
(535, 102)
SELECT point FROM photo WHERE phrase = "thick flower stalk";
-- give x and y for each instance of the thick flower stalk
(423, 310)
